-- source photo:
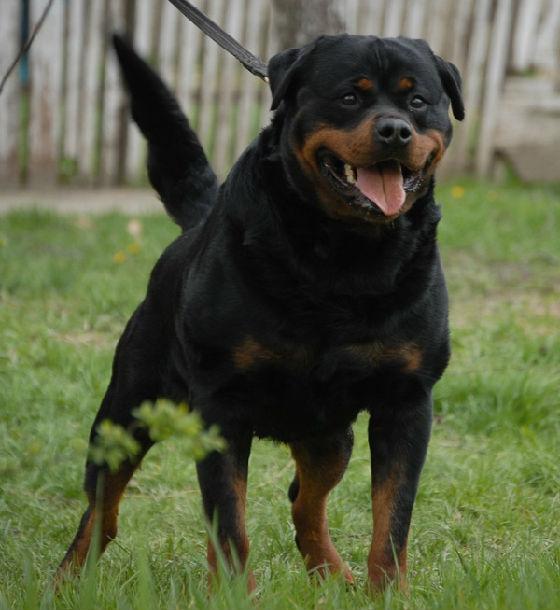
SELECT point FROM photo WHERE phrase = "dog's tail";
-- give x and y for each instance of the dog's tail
(177, 166)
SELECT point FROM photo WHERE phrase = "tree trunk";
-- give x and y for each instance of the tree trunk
(297, 22)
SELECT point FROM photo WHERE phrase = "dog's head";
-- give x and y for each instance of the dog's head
(365, 121)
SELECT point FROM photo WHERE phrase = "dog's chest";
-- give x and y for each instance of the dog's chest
(295, 390)
(250, 356)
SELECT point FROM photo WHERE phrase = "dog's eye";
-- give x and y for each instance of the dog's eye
(350, 99)
(417, 102)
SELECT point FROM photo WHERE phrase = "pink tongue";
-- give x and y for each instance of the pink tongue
(383, 184)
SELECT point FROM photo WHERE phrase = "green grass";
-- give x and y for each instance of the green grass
(487, 519)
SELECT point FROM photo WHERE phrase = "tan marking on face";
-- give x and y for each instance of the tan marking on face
(405, 84)
(375, 354)
(353, 146)
(356, 147)
(365, 84)
(425, 145)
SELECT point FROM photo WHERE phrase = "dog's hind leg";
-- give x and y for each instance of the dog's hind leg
(104, 490)
(135, 378)
(223, 483)
(320, 465)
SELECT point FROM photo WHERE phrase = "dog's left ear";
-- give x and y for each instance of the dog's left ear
(451, 80)
(283, 70)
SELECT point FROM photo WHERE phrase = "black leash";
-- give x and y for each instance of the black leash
(215, 32)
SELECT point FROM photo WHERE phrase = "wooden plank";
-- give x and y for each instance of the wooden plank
(249, 98)
(10, 99)
(90, 68)
(72, 131)
(168, 44)
(269, 49)
(415, 19)
(461, 26)
(462, 21)
(393, 18)
(547, 36)
(46, 77)
(437, 25)
(495, 74)
(77, 46)
(226, 96)
(136, 154)
(154, 32)
(190, 39)
(473, 83)
(210, 85)
(114, 95)
(371, 21)
(351, 16)
(524, 36)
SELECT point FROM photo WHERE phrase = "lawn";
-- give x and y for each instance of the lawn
(486, 526)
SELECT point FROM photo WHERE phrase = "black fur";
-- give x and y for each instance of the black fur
(257, 315)
(177, 165)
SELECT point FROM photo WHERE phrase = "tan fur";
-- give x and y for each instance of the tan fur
(376, 353)
(381, 560)
(250, 353)
(309, 511)
(356, 147)
(405, 84)
(365, 84)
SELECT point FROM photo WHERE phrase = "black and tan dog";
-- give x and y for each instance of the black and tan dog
(306, 289)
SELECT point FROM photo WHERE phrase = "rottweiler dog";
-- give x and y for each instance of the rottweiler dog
(306, 288)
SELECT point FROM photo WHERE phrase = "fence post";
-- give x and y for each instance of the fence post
(10, 99)
(45, 60)
(495, 74)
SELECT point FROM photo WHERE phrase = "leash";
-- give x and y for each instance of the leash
(215, 32)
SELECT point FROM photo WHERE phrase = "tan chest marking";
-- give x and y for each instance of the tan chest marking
(376, 353)
(251, 353)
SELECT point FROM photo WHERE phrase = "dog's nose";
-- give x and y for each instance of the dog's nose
(393, 132)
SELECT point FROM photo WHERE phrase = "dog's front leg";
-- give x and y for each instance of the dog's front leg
(398, 438)
(223, 482)
(320, 465)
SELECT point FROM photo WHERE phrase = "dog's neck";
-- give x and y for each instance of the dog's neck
(332, 255)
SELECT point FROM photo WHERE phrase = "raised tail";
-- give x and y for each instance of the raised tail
(177, 166)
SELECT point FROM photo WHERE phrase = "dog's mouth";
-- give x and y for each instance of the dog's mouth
(381, 188)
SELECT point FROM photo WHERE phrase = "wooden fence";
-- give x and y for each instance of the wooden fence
(67, 121)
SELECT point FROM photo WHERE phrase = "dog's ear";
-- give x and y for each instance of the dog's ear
(451, 80)
(283, 69)
(449, 75)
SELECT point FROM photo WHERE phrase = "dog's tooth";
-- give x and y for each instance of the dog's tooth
(349, 173)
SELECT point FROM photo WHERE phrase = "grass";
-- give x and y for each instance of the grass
(487, 519)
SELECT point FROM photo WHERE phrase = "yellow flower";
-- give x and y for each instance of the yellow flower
(458, 192)
(119, 257)
(133, 248)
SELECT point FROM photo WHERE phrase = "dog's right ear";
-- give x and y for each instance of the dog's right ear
(451, 80)
(283, 70)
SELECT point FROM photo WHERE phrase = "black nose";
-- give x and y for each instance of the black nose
(393, 132)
